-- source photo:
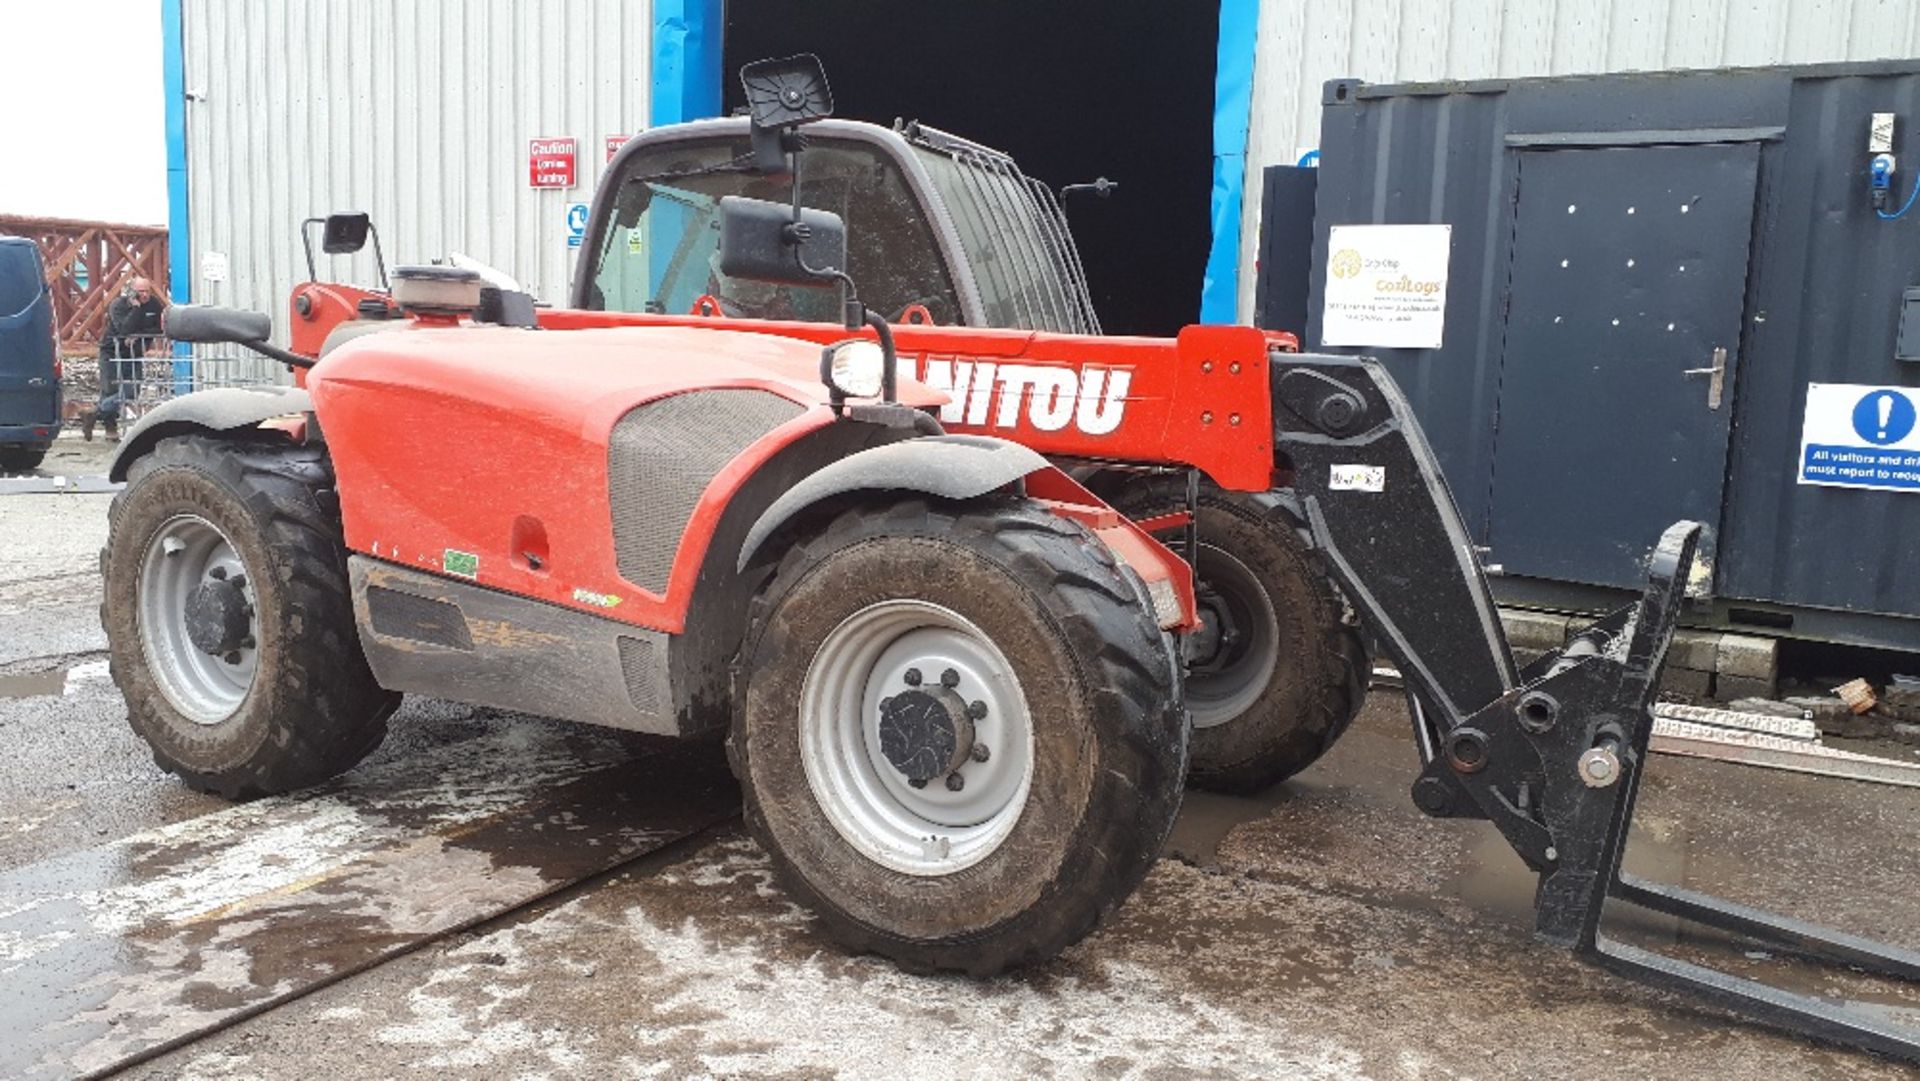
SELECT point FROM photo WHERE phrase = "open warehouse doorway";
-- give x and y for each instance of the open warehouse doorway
(1073, 90)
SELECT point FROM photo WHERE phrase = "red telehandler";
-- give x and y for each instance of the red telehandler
(949, 570)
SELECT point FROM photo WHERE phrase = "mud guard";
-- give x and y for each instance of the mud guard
(948, 466)
(223, 409)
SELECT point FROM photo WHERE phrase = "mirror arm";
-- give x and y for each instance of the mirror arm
(379, 259)
(291, 360)
(306, 241)
(889, 378)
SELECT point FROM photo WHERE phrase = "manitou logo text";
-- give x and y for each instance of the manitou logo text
(986, 394)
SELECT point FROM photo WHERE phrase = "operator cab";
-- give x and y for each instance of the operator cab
(939, 229)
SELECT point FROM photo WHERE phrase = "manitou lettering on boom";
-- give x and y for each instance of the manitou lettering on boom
(986, 394)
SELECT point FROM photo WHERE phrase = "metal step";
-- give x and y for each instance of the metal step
(1756, 748)
(1765, 723)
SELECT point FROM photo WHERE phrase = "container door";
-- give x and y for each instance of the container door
(1628, 272)
(27, 390)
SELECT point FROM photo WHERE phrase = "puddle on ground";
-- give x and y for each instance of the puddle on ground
(1207, 817)
(1495, 882)
(50, 683)
(109, 954)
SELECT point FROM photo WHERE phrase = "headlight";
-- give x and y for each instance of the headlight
(854, 368)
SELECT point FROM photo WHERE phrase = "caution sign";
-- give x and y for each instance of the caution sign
(1386, 286)
(551, 163)
(1861, 437)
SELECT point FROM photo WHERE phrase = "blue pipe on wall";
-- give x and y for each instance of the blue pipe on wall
(686, 61)
(173, 80)
(1232, 105)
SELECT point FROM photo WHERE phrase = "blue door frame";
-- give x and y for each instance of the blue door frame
(687, 79)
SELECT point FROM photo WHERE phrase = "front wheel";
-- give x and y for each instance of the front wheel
(961, 738)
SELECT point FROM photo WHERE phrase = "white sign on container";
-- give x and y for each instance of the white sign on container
(213, 266)
(1386, 286)
(1856, 436)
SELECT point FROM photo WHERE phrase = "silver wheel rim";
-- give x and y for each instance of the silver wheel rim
(1217, 697)
(185, 552)
(926, 831)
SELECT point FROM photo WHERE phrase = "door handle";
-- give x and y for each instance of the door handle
(1717, 376)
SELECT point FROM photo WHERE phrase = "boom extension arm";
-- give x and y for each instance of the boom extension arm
(1552, 756)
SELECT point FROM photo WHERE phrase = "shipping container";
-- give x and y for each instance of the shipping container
(1664, 293)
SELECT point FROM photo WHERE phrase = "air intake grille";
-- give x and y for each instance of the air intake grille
(420, 619)
(639, 667)
(661, 458)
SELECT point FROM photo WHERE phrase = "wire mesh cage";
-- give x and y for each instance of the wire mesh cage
(133, 375)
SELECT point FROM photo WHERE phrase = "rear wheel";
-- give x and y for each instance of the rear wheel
(228, 619)
(1277, 669)
(961, 738)
(21, 459)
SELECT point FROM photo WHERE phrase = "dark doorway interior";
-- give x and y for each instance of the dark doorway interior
(1071, 90)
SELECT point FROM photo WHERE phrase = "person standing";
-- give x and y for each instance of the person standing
(133, 330)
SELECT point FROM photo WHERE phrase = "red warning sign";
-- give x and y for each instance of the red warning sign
(550, 163)
(614, 143)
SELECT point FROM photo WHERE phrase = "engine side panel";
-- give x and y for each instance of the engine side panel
(487, 454)
(427, 634)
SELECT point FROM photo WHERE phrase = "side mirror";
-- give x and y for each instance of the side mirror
(344, 234)
(781, 96)
(206, 323)
(759, 241)
(786, 93)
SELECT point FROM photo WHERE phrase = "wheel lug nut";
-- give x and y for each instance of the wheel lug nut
(218, 574)
(980, 753)
(916, 782)
(949, 678)
(977, 710)
(240, 581)
(913, 677)
(955, 782)
(232, 658)
(887, 702)
(247, 642)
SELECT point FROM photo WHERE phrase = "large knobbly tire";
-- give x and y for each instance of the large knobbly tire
(1256, 725)
(1088, 676)
(298, 705)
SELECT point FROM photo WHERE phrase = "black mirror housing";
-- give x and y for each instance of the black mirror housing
(755, 244)
(206, 323)
(787, 93)
(344, 234)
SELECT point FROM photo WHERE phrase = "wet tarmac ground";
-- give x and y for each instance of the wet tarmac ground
(493, 895)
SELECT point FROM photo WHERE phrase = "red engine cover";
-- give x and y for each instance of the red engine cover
(462, 451)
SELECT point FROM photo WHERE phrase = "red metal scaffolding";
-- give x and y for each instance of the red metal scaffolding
(88, 263)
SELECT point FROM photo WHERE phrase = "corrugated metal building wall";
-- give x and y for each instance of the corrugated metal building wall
(418, 112)
(1304, 43)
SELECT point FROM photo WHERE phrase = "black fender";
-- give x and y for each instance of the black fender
(947, 466)
(223, 409)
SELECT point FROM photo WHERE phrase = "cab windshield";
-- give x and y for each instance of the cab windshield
(659, 252)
